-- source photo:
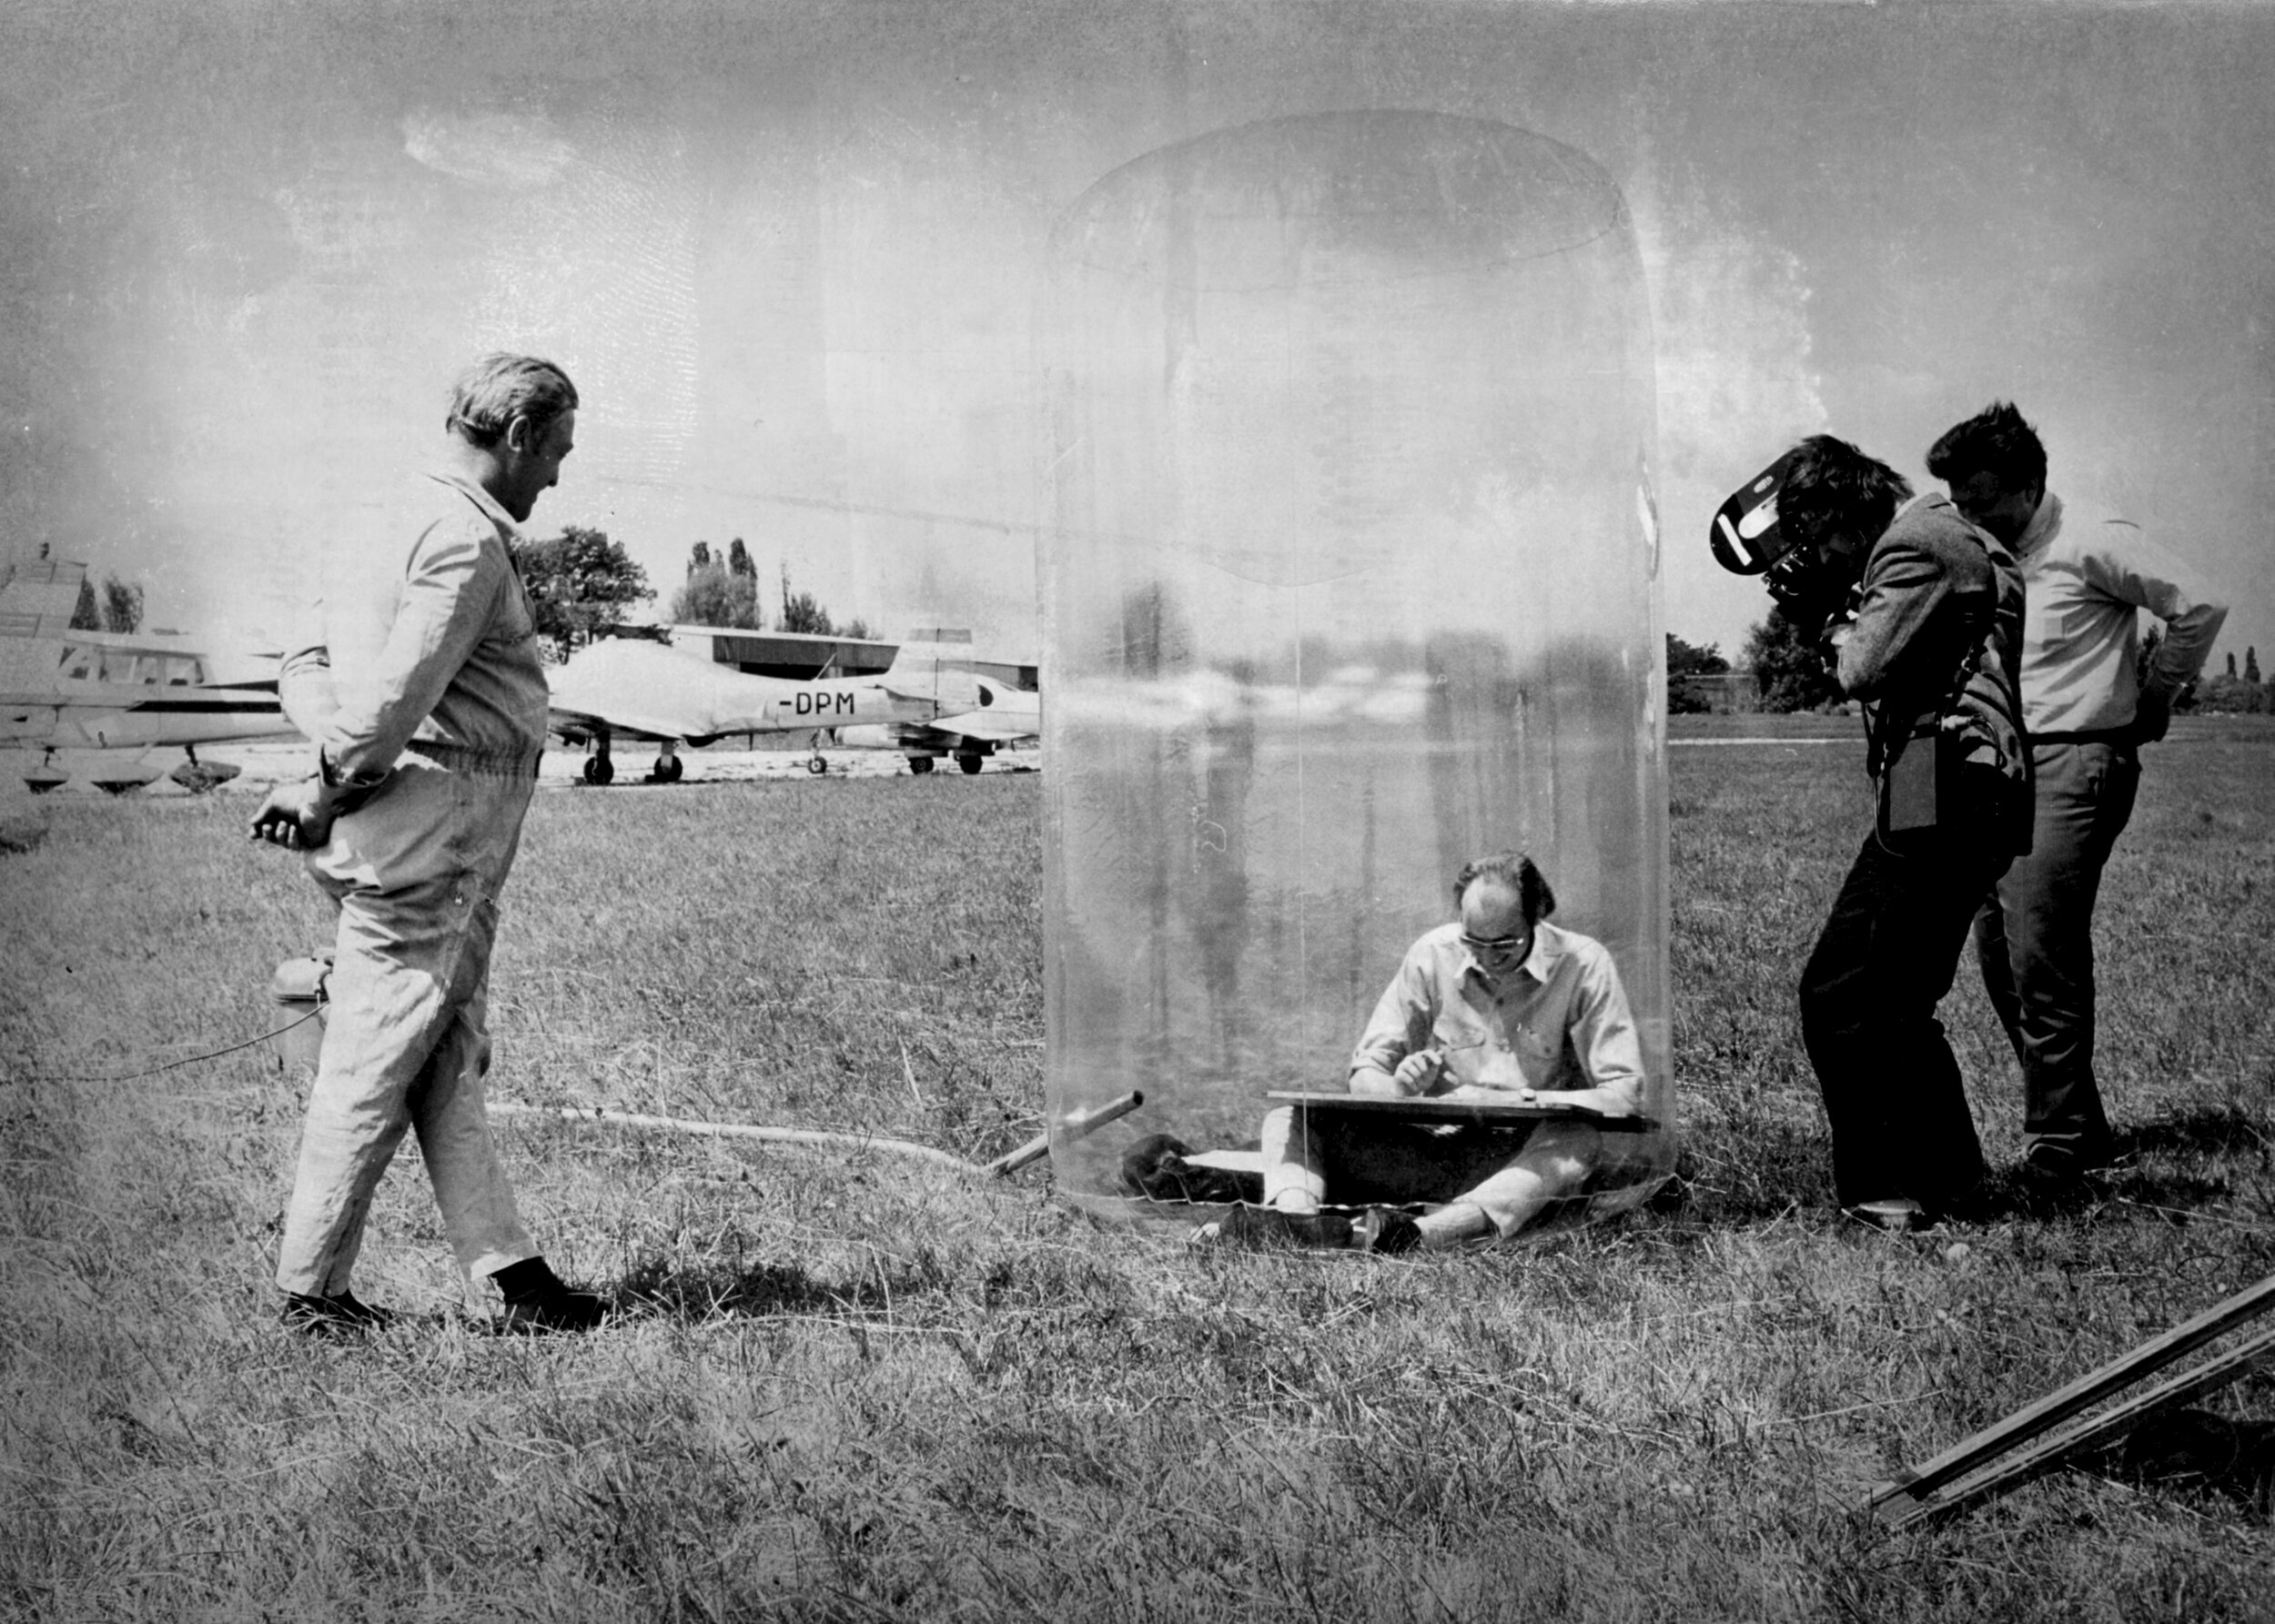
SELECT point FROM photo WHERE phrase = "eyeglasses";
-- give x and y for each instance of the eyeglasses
(1500, 947)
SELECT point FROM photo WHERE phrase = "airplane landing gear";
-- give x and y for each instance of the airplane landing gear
(666, 771)
(198, 777)
(46, 776)
(598, 768)
(969, 763)
(817, 764)
(920, 765)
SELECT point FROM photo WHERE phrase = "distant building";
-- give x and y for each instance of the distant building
(1727, 690)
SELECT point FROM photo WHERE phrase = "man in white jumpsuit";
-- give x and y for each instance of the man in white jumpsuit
(419, 681)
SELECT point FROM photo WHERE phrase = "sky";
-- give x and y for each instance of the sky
(793, 253)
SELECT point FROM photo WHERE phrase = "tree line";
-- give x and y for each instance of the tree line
(116, 607)
(722, 590)
(582, 584)
(2229, 691)
(1790, 673)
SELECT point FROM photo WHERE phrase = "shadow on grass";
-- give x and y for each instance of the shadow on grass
(2197, 1451)
(2177, 1166)
(1746, 1172)
(2176, 1196)
(2176, 1193)
(694, 1293)
(1753, 1168)
(21, 830)
(2208, 1130)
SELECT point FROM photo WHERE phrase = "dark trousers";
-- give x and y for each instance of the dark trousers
(1883, 961)
(2034, 939)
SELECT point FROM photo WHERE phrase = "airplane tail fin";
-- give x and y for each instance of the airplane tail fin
(38, 597)
(934, 663)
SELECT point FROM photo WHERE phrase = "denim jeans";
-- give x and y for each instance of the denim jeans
(414, 875)
(2034, 939)
(1886, 958)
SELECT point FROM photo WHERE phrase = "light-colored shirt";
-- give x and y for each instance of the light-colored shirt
(2086, 573)
(1558, 1021)
(419, 632)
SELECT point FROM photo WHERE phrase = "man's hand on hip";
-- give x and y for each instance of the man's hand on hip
(295, 816)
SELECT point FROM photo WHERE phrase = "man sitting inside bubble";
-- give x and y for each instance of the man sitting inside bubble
(1496, 1008)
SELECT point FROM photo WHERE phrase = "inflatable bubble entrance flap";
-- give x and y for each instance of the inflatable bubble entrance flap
(1349, 575)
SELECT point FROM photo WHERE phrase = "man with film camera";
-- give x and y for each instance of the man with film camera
(1931, 641)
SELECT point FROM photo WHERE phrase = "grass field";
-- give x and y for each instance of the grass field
(851, 1385)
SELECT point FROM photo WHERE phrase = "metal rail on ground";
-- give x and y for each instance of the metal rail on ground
(1912, 1497)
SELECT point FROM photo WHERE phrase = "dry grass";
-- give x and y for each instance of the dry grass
(853, 1386)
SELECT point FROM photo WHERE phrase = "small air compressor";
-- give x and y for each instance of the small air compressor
(299, 988)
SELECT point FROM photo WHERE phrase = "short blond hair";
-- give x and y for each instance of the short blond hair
(501, 387)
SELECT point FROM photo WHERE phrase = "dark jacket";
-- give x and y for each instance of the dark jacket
(1937, 651)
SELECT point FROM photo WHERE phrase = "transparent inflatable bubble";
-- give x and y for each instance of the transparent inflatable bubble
(1351, 577)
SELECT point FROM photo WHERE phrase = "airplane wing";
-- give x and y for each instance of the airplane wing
(994, 726)
(1004, 714)
(941, 687)
(574, 724)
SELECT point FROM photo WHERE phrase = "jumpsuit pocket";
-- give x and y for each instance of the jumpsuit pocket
(403, 828)
(514, 624)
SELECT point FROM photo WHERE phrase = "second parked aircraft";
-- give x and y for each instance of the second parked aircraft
(931, 701)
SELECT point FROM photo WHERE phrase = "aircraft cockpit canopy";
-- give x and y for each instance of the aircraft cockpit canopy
(91, 662)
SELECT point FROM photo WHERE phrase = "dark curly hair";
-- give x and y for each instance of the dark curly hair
(1996, 440)
(1832, 488)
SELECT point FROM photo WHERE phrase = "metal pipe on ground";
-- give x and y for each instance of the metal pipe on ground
(1080, 1125)
(1075, 1127)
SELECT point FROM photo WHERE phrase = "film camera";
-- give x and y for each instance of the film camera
(1810, 583)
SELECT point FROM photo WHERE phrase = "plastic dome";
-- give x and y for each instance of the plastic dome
(1350, 577)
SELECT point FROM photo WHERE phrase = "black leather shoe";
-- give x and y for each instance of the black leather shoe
(2051, 1189)
(2070, 1158)
(557, 1308)
(337, 1319)
(1387, 1230)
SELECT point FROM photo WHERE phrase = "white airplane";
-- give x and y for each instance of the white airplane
(103, 701)
(928, 702)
